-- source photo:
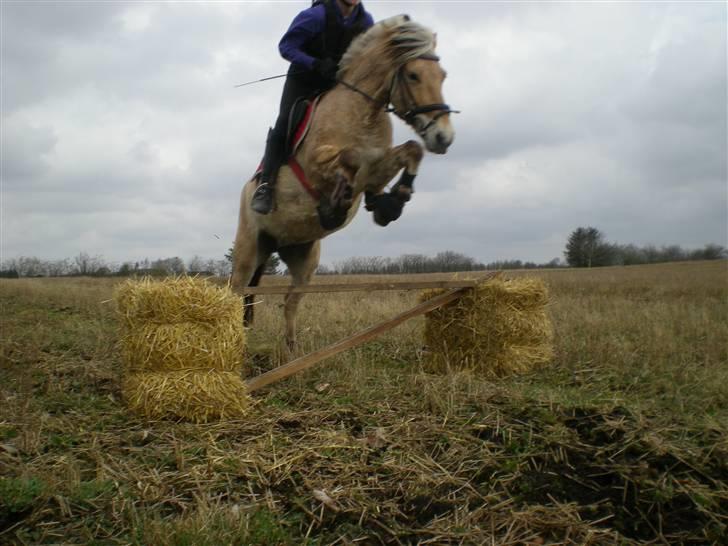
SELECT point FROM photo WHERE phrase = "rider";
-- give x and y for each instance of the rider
(314, 44)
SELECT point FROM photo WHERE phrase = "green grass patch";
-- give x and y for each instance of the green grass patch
(7, 432)
(89, 491)
(19, 494)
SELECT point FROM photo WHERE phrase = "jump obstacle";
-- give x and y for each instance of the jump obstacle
(183, 344)
(455, 289)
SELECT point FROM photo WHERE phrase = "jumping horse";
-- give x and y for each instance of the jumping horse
(347, 155)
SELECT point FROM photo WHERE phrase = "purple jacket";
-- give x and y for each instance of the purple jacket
(308, 24)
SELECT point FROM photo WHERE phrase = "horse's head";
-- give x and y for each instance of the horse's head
(417, 99)
(395, 62)
(416, 88)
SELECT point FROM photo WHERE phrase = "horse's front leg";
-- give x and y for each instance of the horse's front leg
(334, 205)
(248, 255)
(387, 207)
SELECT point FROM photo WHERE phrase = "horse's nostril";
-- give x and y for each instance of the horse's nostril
(441, 139)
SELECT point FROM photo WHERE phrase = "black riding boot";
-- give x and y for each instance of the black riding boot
(262, 201)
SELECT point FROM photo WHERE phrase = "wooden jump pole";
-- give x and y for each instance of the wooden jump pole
(315, 357)
(359, 287)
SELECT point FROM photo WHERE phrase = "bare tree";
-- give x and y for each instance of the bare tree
(88, 265)
(196, 265)
(170, 266)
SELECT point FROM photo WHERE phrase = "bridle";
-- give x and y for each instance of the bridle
(409, 116)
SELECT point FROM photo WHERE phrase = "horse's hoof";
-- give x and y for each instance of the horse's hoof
(332, 221)
(343, 194)
(380, 219)
(387, 209)
(331, 217)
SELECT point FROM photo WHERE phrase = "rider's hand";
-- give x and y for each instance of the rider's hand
(326, 68)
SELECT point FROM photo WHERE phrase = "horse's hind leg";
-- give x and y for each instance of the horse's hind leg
(339, 167)
(302, 261)
(250, 253)
(245, 271)
(248, 300)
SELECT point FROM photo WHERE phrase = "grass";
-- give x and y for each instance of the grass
(623, 439)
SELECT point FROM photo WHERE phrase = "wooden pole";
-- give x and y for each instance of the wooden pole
(311, 359)
(358, 287)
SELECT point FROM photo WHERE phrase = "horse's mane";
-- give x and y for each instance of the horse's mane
(396, 40)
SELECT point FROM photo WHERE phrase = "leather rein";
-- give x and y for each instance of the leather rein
(409, 116)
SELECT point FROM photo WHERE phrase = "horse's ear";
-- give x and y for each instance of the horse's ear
(406, 17)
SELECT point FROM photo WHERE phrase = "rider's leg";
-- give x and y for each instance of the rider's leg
(262, 201)
(275, 149)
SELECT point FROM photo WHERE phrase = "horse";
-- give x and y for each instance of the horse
(348, 156)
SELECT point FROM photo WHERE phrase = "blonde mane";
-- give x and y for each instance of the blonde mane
(395, 41)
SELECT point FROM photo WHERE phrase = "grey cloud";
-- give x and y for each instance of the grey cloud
(25, 151)
(165, 64)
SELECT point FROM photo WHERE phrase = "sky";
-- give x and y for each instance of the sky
(124, 136)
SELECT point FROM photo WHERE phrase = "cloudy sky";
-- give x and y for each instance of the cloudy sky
(123, 134)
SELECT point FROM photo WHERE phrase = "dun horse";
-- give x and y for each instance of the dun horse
(348, 155)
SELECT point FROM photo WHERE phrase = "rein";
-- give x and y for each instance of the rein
(410, 115)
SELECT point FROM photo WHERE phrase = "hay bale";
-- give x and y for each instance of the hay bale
(190, 395)
(182, 347)
(186, 345)
(175, 300)
(497, 329)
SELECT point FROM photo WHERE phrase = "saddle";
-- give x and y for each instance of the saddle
(299, 122)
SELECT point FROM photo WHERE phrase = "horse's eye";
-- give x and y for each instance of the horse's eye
(413, 77)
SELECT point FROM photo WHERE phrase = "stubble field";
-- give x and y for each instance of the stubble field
(622, 439)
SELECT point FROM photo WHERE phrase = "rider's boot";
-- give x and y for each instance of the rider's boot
(262, 201)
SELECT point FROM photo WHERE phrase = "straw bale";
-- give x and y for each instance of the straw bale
(175, 300)
(499, 328)
(182, 345)
(185, 345)
(189, 395)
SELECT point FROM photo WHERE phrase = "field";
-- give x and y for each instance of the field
(623, 439)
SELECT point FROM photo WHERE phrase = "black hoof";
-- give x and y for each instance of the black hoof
(331, 217)
(387, 208)
(262, 201)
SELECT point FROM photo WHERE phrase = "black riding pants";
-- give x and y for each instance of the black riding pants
(307, 85)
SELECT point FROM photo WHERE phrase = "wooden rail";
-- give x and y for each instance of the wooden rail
(358, 287)
(315, 357)
(455, 290)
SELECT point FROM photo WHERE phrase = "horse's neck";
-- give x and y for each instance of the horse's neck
(363, 103)
(346, 119)
(371, 81)
(355, 117)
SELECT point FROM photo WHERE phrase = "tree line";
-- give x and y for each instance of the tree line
(95, 266)
(585, 247)
(443, 262)
(588, 247)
